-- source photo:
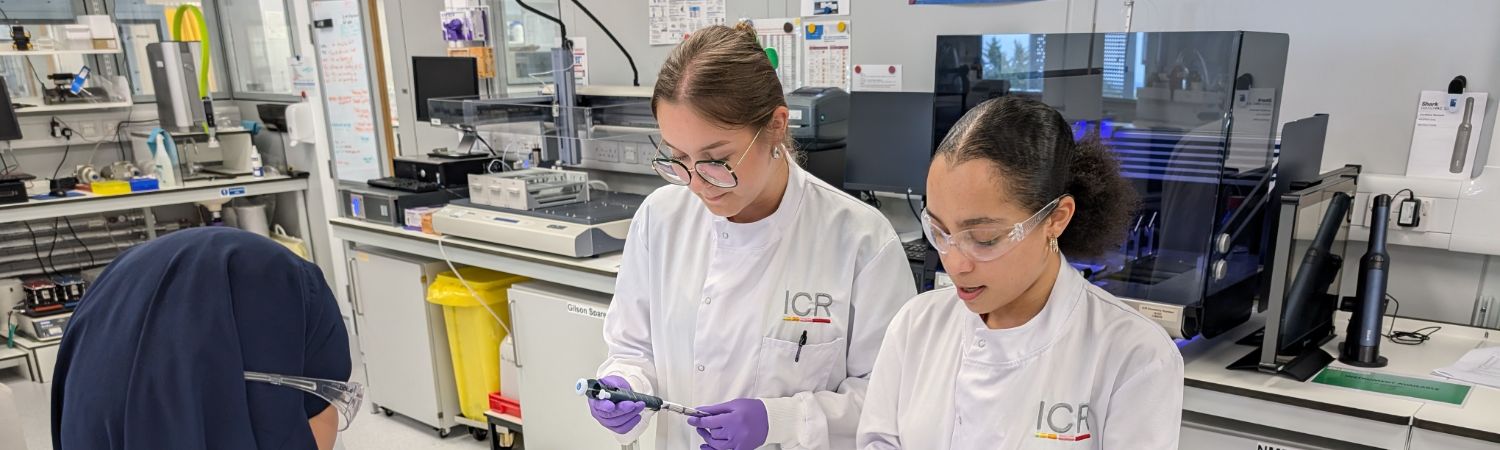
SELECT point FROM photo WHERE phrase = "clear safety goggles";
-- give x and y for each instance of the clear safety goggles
(345, 396)
(716, 172)
(984, 243)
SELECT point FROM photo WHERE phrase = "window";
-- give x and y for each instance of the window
(26, 76)
(142, 22)
(260, 45)
(529, 40)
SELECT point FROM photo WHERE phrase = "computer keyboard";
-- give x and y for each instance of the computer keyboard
(404, 184)
(915, 250)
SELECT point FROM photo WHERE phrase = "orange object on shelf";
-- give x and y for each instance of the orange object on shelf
(484, 55)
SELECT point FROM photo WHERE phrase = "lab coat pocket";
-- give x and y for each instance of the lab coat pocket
(784, 372)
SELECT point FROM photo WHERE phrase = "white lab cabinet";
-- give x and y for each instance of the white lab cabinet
(559, 339)
(408, 366)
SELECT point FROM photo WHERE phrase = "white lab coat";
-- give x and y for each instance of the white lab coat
(1088, 372)
(697, 316)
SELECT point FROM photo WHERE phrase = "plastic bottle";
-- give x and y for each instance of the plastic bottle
(256, 168)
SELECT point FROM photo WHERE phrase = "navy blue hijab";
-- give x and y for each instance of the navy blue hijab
(155, 355)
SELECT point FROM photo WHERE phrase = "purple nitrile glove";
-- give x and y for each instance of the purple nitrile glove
(617, 417)
(733, 425)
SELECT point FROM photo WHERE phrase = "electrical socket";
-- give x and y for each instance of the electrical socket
(88, 130)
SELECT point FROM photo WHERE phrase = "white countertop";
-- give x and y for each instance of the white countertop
(192, 191)
(1479, 417)
(594, 273)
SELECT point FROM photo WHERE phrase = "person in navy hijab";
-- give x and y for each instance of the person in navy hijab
(156, 355)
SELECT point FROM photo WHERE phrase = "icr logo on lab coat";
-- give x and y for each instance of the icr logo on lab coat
(807, 304)
(1062, 421)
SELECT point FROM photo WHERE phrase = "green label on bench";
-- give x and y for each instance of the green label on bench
(1418, 388)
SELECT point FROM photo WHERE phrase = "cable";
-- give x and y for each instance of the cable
(92, 261)
(36, 248)
(64, 160)
(561, 27)
(635, 75)
(1414, 337)
(52, 248)
(444, 251)
(1409, 194)
(909, 206)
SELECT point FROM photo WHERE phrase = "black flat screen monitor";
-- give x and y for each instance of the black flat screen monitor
(890, 142)
(442, 76)
(10, 127)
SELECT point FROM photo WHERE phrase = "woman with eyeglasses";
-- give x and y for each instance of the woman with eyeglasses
(748, 285)
(1023, 352)
(209, 338)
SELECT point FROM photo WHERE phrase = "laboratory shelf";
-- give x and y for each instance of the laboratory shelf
(595, 274)
(41, 108)
(85, 51)
(193, 191)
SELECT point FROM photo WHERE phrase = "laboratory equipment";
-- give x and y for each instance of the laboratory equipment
(43, 327)
(20, 39)
(385, 206)
(578, 230)
(13, 191)
(227, 152)
(439, 77)
(1361, 347)
(1191, 116)
(445, 172)
(273, 115)
(592, 388)
(1302, 149)
(890, 142)
(175, 78)
(403, 184)
(408, 364)
(10, 126)
(1461, 141)
(476, 313)
(41, 296)
(529, 189)
(1310, 238)
(818, 117)
(562, 338)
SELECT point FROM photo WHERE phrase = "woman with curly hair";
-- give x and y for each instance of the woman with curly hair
(1022, 352)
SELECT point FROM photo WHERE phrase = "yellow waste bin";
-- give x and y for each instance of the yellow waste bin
(473, 335)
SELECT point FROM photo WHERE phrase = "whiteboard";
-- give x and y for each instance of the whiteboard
(344, 66)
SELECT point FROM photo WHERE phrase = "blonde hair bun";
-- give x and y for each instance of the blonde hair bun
(746, 27)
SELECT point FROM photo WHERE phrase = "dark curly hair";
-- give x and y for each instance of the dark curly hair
(1032, 147)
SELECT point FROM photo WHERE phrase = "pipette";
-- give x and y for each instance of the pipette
(592, 388)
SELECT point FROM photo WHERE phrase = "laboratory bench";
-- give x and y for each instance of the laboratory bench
(593, 273)
(40, 356)
(190, 192)
(1223, 407)
(1220, 406)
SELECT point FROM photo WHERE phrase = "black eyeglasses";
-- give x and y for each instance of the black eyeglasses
(717, 172)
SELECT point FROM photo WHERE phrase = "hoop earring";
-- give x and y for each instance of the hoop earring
(1052, 244)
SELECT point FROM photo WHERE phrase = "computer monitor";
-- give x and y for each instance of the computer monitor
(10, 127)
(890, 142)
(442, 76)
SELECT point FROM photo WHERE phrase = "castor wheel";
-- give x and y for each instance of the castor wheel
(479, 434)
(387, 412)
(443, 434)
